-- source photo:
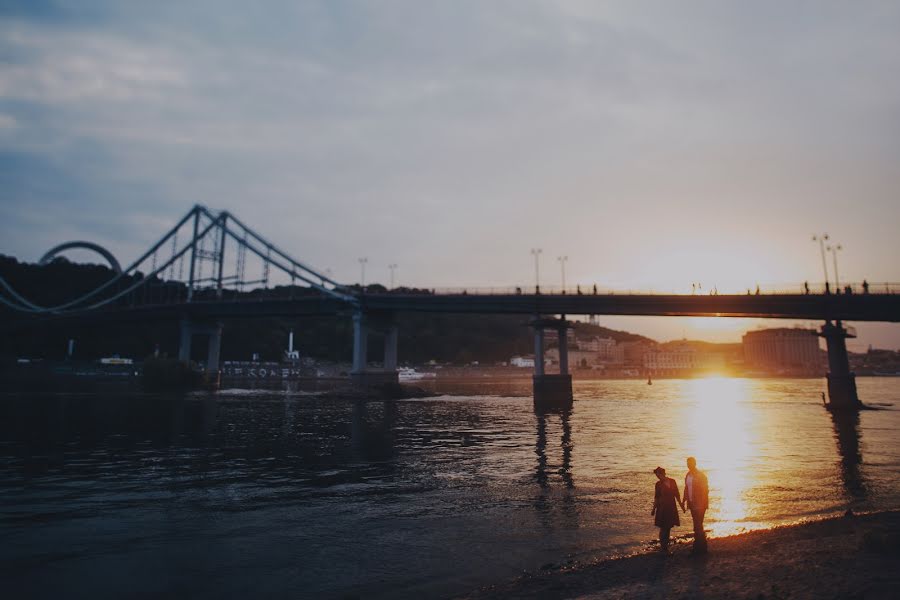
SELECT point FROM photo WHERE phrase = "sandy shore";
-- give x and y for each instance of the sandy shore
(845, 557)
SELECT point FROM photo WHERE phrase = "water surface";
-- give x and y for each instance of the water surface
(271, 493)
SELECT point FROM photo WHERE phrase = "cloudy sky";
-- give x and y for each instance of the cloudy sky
(655, 144)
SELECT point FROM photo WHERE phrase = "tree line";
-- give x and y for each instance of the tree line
(445, 338)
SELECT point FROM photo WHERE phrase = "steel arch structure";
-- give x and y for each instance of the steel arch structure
(56, 250)
(205, 236)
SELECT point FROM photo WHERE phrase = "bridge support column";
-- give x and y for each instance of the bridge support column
(361, 374)
(551, 390)
(562, 333)
(391, 337)
(213, 349)
(841, 381)
(360, 343)
(186, 335)
(188, 329)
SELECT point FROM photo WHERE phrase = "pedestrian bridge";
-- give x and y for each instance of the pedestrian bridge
(203, 281)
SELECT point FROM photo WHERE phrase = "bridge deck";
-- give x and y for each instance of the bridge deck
(871, 307)
(862, 307)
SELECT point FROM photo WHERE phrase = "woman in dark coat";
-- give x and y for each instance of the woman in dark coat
(664, 506)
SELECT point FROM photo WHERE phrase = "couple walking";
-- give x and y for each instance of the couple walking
(696, 497)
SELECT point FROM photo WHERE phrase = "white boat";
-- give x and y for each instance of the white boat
(410, 374)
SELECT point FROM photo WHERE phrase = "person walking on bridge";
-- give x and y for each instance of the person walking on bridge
(696, 496)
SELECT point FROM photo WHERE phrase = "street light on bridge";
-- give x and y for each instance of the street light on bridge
(536, 252)
(562, 265)
(822, 239)
(362, 276)
(834, 250)
(393, 268)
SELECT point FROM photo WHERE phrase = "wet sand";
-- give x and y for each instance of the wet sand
(844, 557)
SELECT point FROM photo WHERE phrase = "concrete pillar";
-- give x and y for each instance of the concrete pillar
(551, 391)
(563, 350)
(841, 381)
(390, 348)
(360, 374)
(186, 332)
(360, 343)
(214, 349)
(538, 351)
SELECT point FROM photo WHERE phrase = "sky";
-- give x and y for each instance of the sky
(655, 144)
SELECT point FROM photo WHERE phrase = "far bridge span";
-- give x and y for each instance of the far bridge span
(201, 302)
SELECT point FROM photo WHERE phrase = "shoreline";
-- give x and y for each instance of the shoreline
(839, 557)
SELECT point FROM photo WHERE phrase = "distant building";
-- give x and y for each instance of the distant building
(617, 356)
(783, 350)
(598, 350)
(551, 337)
(633, 352)
(674, 359)
(577, 358)
(597, 344)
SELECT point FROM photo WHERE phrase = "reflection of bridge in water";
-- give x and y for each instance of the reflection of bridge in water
(197, 274)
(847, 434)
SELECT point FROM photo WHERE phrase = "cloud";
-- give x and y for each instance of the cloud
(452, 138)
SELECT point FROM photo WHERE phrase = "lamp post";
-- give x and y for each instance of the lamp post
(834, 250)
(362, 276)
(536, 252)
(822, 239)
(562, 265)
(393, 268)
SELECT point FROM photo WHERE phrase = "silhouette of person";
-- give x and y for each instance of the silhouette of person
(595, 289)
(865, 286)
(757, 290)
(806, 287)
(696, 496)
(664, 499)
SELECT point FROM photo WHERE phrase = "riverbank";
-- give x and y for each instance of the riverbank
(844, 557)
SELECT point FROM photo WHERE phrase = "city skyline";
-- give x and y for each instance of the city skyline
(654, 146)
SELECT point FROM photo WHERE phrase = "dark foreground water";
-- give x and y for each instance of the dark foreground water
(278, 494)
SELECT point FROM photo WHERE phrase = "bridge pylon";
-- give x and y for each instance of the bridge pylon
(361, 374)
(188, 329)
(552, 391)
(841, 381)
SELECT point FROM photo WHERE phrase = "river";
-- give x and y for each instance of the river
(261, 494)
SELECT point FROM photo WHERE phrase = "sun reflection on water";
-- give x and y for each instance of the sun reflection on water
(721, 431)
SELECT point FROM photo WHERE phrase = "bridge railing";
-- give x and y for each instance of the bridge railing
(591, 289)
(159, 292)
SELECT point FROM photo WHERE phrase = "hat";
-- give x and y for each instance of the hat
(659, 470)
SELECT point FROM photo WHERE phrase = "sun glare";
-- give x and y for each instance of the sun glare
(722, 438)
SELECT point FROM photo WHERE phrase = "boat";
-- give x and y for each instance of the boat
(410, 374)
